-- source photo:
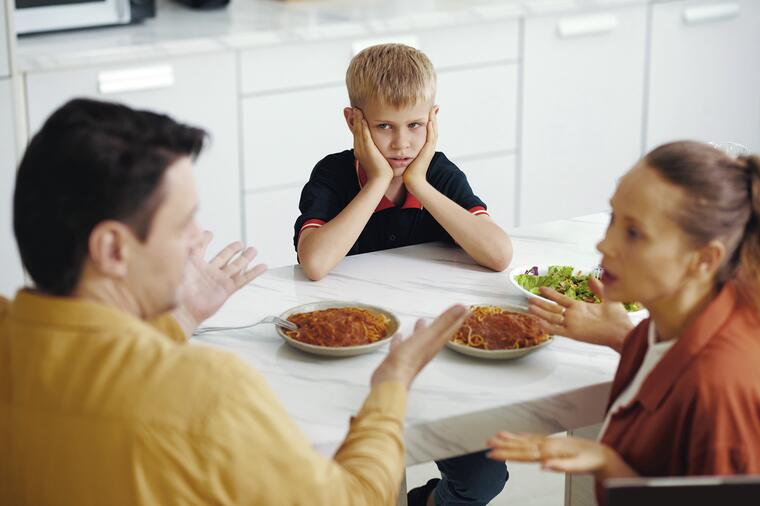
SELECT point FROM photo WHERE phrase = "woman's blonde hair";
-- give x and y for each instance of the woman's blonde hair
(391, 74)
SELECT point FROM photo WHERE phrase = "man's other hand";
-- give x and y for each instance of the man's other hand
(408, 356)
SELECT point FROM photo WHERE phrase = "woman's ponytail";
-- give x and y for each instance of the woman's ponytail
(748, 272)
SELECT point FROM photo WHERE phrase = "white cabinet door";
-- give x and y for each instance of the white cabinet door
(286, 134)
(4, 54)
(11, 273)
(270, 217)
(704, 82)
(200, 90)
(582, 110)
(493, 180)
(478, 110)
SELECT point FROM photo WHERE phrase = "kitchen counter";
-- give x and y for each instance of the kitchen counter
(457, 401)
(178, 30)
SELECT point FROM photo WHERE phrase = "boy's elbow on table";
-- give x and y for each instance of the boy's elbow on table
(500, 254)
(313, 269)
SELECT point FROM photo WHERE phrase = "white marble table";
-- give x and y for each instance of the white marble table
(457, 401)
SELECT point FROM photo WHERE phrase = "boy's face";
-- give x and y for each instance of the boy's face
(399, 134)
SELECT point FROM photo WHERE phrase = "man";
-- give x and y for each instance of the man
(101, 400)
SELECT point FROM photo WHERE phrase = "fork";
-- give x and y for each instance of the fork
(268, 319)
(597, 272)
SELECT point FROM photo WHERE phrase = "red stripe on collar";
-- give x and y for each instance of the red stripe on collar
(410, 202)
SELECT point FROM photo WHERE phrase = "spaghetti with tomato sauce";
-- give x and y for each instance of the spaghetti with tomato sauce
(339, 327)
(495, 328)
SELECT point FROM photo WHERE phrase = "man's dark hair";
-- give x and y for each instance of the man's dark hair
(91, 161)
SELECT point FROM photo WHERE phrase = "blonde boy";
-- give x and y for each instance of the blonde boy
(393, 189)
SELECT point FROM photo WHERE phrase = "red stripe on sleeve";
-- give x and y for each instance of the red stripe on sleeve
(478, 210)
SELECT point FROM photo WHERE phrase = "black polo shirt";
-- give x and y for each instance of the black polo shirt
(337, 179)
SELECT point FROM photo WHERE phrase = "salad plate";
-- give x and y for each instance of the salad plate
(569, 280)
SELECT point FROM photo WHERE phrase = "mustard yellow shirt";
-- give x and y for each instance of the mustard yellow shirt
(98, 407)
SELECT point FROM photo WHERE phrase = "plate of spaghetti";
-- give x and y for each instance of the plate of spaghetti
(499, 332)
(338, 329)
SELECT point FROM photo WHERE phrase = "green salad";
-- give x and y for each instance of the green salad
(567, 281)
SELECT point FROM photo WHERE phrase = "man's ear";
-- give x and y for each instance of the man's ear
(109, 248)
(348, 113)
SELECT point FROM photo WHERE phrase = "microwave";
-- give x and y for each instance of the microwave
(36, 16)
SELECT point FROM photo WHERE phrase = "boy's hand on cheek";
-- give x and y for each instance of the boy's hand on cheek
(372, 161)
(416, 173)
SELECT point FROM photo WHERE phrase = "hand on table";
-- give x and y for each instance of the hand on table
(605, 323)
(408, 356)
(208, 285)
(416, 172)
(371, 159)
(563, 454)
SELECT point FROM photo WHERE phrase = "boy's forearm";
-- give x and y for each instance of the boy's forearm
(482, 239)
(321, 249)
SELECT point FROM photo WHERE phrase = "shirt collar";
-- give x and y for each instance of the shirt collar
(69, 312)
(410, 202)
(687, 347)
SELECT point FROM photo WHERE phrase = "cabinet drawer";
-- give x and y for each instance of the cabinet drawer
(269, 220)
(471, 44)
(175, 87)
(278, 68)
(478, 110)
(286, 134)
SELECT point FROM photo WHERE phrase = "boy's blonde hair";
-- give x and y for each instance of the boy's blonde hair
(393, 74)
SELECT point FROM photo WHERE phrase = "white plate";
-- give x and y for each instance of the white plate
(498, 354)
(343, 351)
(635, 316)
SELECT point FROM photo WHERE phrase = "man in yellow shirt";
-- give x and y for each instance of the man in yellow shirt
(101, 402)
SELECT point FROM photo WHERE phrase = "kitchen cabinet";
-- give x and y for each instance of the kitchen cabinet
(4, 45)
(478, 110)
(285, 134)
(11, 273)
(704, 77)
(582, 110)
(199, 90)
(493, 180)
(270, 217)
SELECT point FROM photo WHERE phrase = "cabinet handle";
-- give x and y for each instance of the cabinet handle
(586, 25)
(409, 40)
(708, 13)
(144, 78)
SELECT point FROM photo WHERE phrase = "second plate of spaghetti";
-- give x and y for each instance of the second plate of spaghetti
(338, 328)
(499, 332)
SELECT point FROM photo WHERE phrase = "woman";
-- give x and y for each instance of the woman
(684, 240)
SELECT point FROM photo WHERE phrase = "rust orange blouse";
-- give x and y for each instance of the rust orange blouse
(698, 411)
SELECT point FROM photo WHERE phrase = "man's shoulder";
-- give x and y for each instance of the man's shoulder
(4, 303)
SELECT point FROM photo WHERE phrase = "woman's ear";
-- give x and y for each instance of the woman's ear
(109, 248)
(710, 257)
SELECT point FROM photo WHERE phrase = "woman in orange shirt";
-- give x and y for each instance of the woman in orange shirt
(684, 240)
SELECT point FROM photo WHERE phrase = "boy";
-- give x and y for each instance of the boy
(393, 189)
